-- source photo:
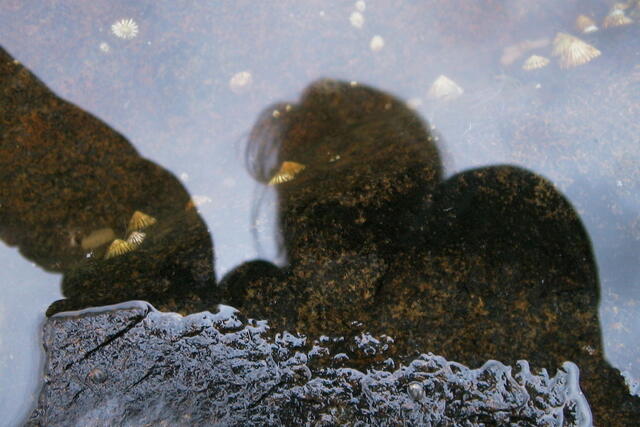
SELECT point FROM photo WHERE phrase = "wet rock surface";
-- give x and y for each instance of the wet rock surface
(492, 262)
(133, 365)
(66, 177)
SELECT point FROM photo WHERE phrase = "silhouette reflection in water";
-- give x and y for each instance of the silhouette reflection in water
(493, 263)
(69, 186)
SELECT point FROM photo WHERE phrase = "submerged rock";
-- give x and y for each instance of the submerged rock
(210, 369)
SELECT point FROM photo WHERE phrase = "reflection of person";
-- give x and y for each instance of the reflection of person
(492, 263)
(70, 185)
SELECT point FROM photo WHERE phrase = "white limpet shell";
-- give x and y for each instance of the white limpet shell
(585, 24)
(136, 238)
(534, 62)
(572, 51)
(444, 88)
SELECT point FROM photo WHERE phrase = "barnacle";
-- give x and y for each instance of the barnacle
(376, 43)
(444, 88)
(118, 247)
(140, 221)
(136, 238)
(356, 19)
(240, 81)
(616, 18)
(125, 29)
(535, 62)
(572, 51)
(286, 173)
(585, 24)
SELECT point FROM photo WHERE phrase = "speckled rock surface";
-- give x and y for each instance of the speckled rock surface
(491, 263)
(65, 175)
(136, 366)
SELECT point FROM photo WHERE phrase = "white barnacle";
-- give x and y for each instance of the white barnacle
(376, 44)
(356, 19)
(125, 29)
(445, 89)
(240, 81)
(360, 5)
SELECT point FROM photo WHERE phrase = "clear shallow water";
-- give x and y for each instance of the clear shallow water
(168, 91)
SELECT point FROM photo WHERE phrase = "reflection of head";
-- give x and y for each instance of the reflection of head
(365, 154)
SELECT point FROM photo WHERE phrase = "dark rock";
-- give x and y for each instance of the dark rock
(491, 263)
(65, 175)
(218, 369)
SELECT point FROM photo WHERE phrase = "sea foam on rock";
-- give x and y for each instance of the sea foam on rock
(210, 369)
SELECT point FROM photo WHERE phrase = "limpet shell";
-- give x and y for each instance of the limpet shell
(445, 89)
(286, 173)
(140, 221)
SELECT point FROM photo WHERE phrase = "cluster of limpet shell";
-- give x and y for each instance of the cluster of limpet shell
(138, 222)
(571, 51)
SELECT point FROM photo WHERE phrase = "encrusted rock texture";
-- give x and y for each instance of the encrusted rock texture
(133, 365)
